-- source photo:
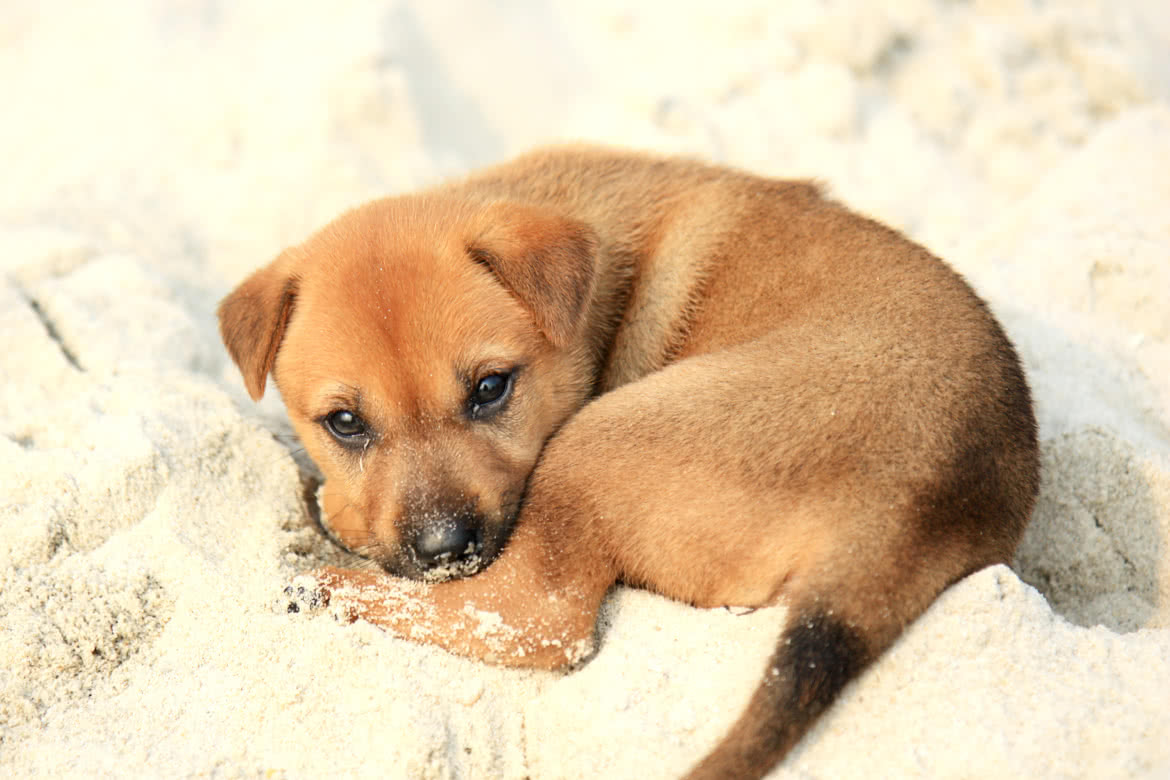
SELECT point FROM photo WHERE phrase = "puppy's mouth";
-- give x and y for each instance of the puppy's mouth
(467, 563)
(402, 557)
(474, 557)
(407, 558)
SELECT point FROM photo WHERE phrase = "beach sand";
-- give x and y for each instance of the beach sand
(150, 514)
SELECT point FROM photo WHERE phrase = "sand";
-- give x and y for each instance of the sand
(150, 514)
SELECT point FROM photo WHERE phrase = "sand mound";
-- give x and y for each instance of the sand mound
(150, 515)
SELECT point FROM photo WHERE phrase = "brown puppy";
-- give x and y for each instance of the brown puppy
(586, 366)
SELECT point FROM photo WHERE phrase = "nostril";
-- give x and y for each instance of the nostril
(446, 543)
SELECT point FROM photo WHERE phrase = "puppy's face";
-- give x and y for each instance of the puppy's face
(425, 351)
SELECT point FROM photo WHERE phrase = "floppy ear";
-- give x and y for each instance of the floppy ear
(546, 260)
(253, 318)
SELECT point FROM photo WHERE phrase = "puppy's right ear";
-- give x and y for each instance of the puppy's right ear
(253, 318)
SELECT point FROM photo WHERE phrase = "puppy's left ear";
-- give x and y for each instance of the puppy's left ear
(253, 317)
(546, 260)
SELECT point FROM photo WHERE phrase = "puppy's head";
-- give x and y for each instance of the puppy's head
(425, 349)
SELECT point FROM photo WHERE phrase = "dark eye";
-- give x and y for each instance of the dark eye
(490, 391)
(344, 424)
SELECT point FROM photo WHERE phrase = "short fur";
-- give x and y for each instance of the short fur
(727, 389)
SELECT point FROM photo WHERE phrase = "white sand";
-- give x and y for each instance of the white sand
(156, 152)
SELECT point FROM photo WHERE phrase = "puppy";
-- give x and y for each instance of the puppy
(586, 366)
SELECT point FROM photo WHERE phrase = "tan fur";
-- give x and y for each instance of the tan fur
(728, 389)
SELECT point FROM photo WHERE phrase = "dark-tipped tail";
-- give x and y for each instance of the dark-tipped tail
(817, 655)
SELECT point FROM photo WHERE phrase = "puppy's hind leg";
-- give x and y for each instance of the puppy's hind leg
(757, 475)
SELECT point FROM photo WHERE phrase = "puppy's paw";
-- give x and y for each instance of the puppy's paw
(305, 595)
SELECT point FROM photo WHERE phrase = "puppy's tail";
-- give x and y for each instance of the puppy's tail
(817, 655)
(830, 636)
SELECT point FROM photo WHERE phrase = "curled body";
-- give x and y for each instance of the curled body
(587, 366)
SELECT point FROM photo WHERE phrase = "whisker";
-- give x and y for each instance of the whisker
(335, 537)
(366, 563)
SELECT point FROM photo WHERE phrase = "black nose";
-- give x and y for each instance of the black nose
(446, 542)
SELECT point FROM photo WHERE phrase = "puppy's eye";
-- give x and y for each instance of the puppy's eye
(489, 393)
(344, 424)
(491, 388)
